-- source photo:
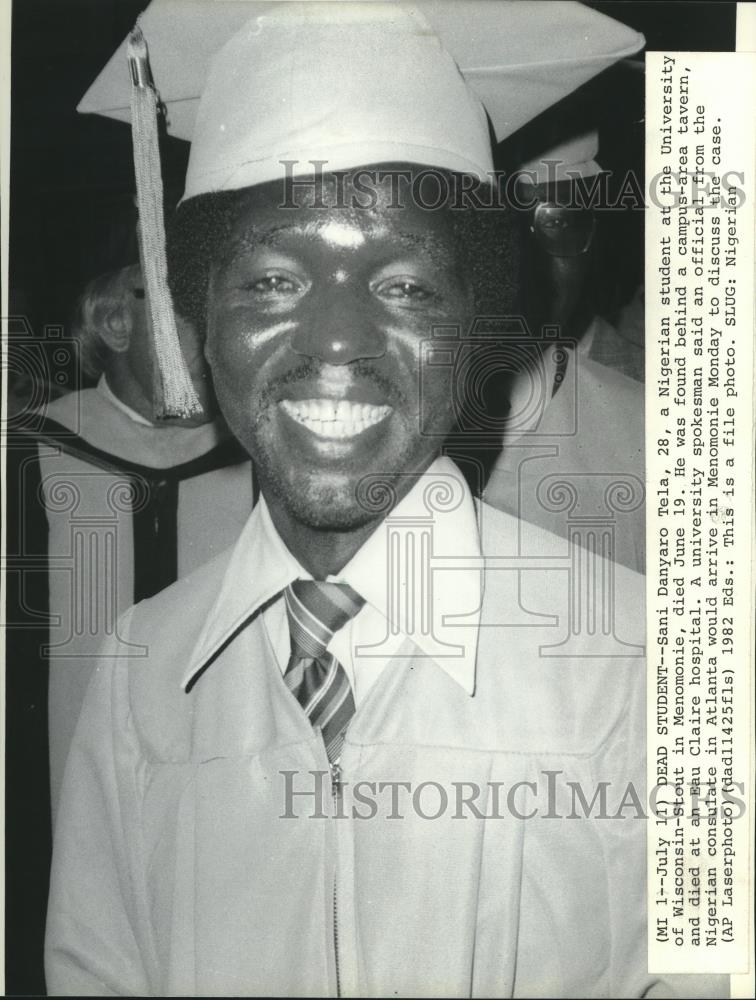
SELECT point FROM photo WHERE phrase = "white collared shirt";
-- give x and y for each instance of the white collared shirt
(405, 597)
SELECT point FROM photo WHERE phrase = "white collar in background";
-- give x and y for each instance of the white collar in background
(104, 389)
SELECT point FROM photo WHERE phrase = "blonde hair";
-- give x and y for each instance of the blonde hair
(107, 298)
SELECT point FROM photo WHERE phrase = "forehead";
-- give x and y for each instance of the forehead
(341, 214)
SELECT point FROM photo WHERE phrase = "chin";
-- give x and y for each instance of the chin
(325, 505)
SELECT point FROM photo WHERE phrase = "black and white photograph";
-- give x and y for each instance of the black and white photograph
(325, 371)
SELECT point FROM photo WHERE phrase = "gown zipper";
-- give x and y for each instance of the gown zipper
(336, 791)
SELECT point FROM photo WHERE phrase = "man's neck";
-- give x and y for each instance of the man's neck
(321, 552)
(326, 551)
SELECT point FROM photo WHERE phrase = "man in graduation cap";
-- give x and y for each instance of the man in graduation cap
(340, 763)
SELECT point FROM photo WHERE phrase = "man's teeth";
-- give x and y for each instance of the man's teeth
(338, 418)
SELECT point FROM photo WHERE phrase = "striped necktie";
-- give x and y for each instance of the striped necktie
(314, 676)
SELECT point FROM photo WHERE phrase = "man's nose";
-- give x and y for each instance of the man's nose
(338, 328)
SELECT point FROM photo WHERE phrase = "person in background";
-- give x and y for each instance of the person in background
(131, 503)
(574, 462)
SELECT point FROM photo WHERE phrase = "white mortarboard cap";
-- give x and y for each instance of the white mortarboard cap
(252, 84)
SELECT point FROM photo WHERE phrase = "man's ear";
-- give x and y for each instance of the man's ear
(115, 330)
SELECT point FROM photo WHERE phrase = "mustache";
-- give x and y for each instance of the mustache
(362, 371)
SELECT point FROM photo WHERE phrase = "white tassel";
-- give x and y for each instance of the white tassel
(178, 395)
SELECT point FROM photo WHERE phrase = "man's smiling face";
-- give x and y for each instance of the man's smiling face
(316, 319)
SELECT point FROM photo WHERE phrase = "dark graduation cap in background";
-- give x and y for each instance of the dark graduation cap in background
(253, 84)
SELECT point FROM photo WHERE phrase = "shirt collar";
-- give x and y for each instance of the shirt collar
(104, 389)
(437, 516)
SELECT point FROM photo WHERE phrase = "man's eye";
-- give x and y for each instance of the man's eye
(273, 284)
(404, 290)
